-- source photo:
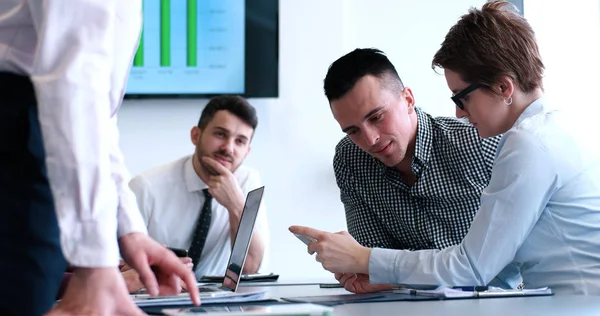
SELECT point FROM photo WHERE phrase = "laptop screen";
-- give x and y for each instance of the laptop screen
(242, 239)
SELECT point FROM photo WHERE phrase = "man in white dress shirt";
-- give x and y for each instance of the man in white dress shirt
(63, 69)
(172, 197)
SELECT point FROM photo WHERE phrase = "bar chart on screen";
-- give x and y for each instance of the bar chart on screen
(190, 47)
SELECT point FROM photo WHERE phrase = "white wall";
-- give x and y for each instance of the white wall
(410, 32)
(568, 35)
(294, 143)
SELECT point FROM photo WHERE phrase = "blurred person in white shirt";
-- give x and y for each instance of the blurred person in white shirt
(63, 70)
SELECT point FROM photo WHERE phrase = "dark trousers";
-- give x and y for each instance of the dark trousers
(31, 261)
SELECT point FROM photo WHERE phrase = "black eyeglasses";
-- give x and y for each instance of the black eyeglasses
(456, 98)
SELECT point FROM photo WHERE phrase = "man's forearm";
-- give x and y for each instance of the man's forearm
(72, 77)
(255, 254)
(257, 247)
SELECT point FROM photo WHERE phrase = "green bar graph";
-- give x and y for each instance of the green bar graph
(138, 60)
(165, 33)
(192, 27)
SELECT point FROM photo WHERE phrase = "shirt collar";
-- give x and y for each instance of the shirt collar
(423, 145)
(424, 139)
(532, 109)
(192, 180)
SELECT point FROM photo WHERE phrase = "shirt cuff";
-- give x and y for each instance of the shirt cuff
(91, 244)
(381, 266)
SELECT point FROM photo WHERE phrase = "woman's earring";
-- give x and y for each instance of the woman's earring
(509, 102)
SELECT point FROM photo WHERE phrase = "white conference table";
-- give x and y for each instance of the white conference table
(543, 305)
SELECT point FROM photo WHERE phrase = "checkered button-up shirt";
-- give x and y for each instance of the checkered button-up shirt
(452, 164)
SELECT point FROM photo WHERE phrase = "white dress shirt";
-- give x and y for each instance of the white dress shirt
(540, 212)
(78, 54)
(170, 198)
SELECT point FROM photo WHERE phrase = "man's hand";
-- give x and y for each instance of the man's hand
(96, 291)
(337, 252)
(359, 283)
(159, 269)
(132, 278)
(186, 260)
(224, 187)
(190, 265)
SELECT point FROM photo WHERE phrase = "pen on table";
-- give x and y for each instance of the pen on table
(330, 285)
(416, 292)
(477, 288)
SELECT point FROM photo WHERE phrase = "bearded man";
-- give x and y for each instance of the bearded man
(196, 202)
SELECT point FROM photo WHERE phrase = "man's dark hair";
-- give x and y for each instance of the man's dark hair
(345, 72)
(234, 104)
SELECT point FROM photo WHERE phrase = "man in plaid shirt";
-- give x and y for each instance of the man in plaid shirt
(407, 180)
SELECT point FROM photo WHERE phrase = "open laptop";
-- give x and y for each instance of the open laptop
(239, 251)
(237, 258)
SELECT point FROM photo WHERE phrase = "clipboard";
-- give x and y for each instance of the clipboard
(406, 294)
(475, 292)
